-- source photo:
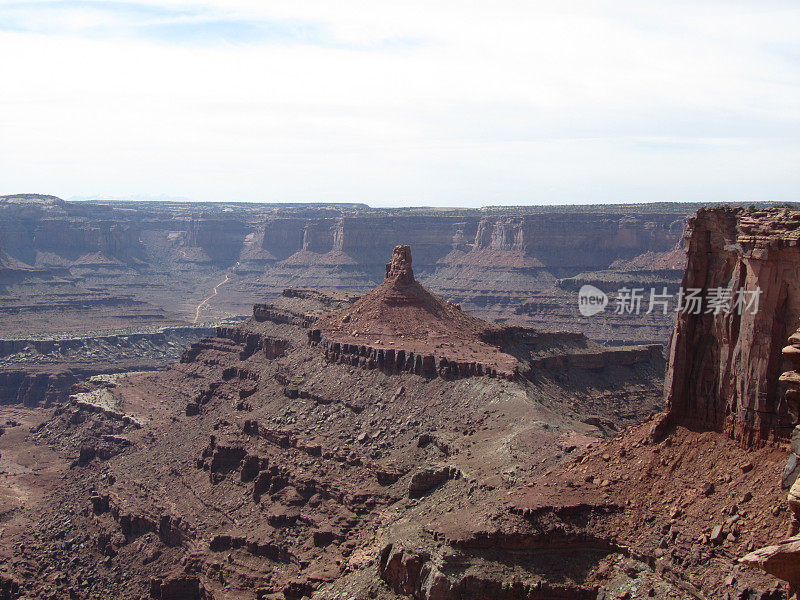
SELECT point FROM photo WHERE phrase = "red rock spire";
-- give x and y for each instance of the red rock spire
(399, 269)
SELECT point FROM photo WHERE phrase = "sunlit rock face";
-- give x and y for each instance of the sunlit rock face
(726, 362)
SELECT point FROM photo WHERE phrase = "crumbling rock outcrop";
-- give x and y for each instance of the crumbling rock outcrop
(171, 530)
(599, 359)
(180, 586)
(419, 575)
(31, 388)
(425, 480)
(267, 312)
(391, 360)
(399, 268)
(228, 339)
(781, 560)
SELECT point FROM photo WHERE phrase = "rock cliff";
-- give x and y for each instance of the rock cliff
(725, 359)
(9, 267)
(172, 256)
(734, 356)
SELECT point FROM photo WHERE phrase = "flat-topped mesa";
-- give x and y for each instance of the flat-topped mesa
(401, 326)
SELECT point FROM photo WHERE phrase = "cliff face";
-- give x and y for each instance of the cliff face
(736, 372)
(10, 268)
(52, 233)
(170, 256)
(4, 259)
(491, 264)
(725, 367)
(566, 242)
(74, 241)
(595, 241)
(219, 238)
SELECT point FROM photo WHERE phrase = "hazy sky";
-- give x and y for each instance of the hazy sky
(418, 102)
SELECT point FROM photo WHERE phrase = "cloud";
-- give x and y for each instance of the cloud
(182, 24)
(386, 103)
(189, 25)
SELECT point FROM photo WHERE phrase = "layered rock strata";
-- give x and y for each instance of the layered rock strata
(401, 326)
(726, 360)
(148, 263)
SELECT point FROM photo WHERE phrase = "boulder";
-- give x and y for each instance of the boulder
(424, 481)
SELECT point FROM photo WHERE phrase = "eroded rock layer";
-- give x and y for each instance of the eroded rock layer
(119, 264)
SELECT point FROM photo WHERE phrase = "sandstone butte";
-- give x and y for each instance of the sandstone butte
(401, 325)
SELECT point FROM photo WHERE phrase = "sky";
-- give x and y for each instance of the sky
(420, 102)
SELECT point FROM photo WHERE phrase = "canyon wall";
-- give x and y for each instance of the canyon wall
(564, 239)
(568, 243)
(46, 231)
(41, 370)
(161, 262)
(725, 366)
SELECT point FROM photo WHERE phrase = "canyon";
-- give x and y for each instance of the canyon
(104, 265)
(265, 464)
(338, 444)
(111, 270)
